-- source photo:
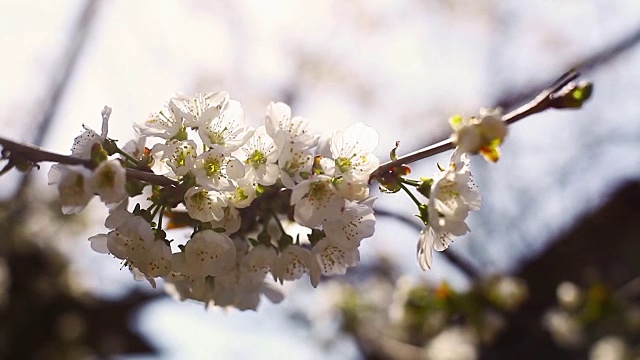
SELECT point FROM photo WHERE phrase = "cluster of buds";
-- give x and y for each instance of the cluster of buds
(238, 188)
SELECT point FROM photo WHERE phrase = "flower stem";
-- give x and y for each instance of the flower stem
(160, 217)
(278, 222)
(127, 156)
(413, 197)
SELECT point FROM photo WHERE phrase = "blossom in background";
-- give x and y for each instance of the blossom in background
(482, 134)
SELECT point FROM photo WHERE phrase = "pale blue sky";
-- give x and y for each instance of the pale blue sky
(400, 66)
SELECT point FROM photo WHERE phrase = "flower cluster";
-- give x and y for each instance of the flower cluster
(238, 188)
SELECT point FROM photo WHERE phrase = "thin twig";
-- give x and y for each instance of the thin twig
(35, 155)
(542, 102)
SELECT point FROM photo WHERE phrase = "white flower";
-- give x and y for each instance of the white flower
(74, 186)
(227, 130)
(99, 243)
(261, 258)
(213, 169)
(135, 147)
(356, 222)
(334, 257)
(205, 205)
(157, 262)
(294, 160)
(279, 125)
(260, 155)
(243, 194)
(108, 181)
(316, 200)
(165, 124)
(83, 143)
(203, 107)
(178, 155)
(230, 222)
(481, 134)
(294, 262)
(354, 190)
(352, 150)
(208, 253)
(239, 286)
(133, 240)
(452, 196)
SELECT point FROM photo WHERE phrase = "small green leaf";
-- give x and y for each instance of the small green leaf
(393, 154)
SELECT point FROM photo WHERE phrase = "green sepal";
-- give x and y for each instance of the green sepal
(425, 186)
(181, 135)
(134, 187)
(573, 95)
(284, 241)
(110, 146)
(394, 152)
(424, 214)
(264, 237)
(160, 234)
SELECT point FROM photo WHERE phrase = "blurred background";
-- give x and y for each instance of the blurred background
(550, 270)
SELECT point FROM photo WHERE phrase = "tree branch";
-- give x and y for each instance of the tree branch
(35, 155)
(545, 100)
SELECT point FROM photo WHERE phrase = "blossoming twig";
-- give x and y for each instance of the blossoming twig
(35, 155)
(545, 100)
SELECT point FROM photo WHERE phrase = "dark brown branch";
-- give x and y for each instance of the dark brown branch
(543, 101)
(35, 155)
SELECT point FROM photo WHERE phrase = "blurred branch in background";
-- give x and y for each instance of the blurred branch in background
(44, 312)
(595, 61)
(60, 76)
